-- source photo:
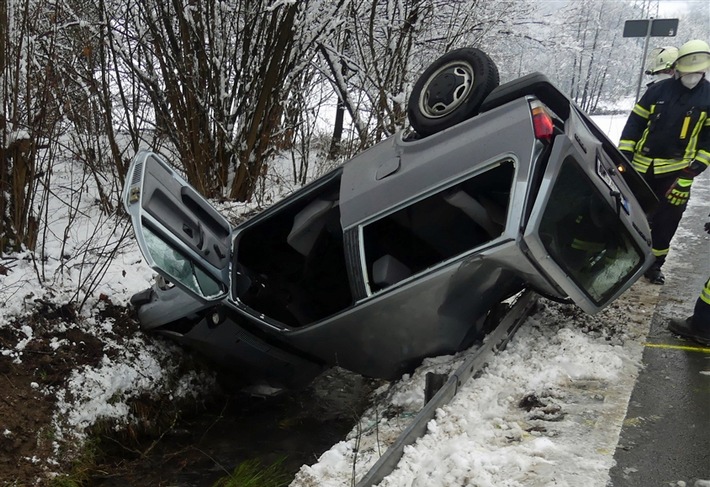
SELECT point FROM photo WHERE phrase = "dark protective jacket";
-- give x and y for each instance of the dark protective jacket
(669, 128)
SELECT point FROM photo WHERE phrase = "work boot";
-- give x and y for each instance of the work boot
(654, 275)
(686, 329)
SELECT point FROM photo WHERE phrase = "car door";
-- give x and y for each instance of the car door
(181, 236)
(586, 231)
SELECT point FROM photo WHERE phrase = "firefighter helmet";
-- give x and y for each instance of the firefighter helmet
(693, 57)
(662, 58)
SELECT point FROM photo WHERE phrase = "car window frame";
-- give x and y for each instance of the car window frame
(505, 234)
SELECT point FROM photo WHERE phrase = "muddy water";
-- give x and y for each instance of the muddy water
(296, 427)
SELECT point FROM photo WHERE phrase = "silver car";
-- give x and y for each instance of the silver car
(404, 251)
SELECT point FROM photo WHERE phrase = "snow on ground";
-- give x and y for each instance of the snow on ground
(75, 262)
(63, 271)
(547, 411)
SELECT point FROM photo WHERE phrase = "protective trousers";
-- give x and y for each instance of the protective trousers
(665, 218)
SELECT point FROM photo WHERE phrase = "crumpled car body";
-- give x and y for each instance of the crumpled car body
(404, 251)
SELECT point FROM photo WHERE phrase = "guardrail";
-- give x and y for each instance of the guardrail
(495, 342)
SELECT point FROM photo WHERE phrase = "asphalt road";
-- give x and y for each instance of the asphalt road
(665, 438)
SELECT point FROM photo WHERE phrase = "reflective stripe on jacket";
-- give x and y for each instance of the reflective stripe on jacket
(669, 127)
(705, 293)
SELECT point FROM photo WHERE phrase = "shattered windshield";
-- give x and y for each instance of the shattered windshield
(584, 235)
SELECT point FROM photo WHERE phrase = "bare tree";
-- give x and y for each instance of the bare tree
(385, 44)
(217, 74)
(5, 222)
(29, 116)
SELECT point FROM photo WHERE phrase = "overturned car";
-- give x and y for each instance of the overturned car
(401, 253)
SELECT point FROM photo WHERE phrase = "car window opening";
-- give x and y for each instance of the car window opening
(291, 266)
(583, 235)
(179, 267)
(438, 228)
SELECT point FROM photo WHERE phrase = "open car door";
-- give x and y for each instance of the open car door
(587, 231)
(181, 236)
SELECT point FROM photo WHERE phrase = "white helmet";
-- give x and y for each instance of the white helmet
(693, 57)
(662, 58)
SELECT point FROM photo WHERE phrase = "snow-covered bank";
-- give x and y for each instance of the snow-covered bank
(546, 412)
(548, 409)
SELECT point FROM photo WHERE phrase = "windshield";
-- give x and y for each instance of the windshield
(584, 235)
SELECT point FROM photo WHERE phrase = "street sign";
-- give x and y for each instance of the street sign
(636, 28)
(659, 28)
(649, 28)
(664, 27)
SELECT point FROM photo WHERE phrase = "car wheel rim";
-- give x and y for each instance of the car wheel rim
(446, 89)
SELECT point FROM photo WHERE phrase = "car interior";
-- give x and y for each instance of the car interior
(438, 227)
(291, 266)
(583, 234)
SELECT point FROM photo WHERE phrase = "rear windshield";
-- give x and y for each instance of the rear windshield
(585, 236)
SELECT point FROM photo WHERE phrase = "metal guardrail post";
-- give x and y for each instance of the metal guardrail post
(496, 341)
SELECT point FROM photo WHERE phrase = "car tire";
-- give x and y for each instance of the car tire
(451, 90)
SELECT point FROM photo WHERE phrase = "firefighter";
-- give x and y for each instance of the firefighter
(663, 60)
(667, 139)
(696, 327)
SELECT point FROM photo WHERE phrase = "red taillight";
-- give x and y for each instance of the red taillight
(542, 123)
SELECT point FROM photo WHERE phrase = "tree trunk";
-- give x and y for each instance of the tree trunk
(5, 228)
(265, 120)
(337, 139)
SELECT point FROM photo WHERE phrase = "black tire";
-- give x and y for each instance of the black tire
(451, 90)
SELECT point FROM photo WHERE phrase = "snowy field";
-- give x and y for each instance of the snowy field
(547, 411)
